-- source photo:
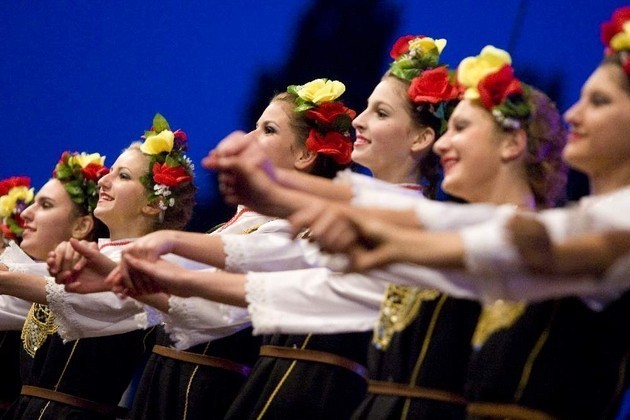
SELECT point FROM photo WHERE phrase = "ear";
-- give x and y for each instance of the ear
(305, 159)
(514, 145)
(83, 227)
(151, 210)
(423, 142)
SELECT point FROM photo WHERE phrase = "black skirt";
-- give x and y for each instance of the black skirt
(288, 389)
(174, 389)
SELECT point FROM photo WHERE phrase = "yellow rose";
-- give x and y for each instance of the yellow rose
(84, 159)
(8, 202)
(321, 90)
(472, 70)
(621, 41)
(161, 142)
(426, 44)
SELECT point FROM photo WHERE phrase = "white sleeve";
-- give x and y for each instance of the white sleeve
(194, 320)
(270, 248)
(438, 215)
(13, 312)
(92, 315)
(314, 300)
(101, 314)
(371, 192)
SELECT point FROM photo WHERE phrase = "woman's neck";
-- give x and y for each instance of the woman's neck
(397, 175)
(611, 180)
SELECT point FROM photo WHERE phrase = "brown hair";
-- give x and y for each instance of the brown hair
(177, 216)
(546, 137)
(430, 163)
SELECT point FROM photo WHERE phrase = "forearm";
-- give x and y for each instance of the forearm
(220, 287)
(24, 286)
(431, 249)
(591, 254)
(157, 300)
(315, 185)
(199, 247)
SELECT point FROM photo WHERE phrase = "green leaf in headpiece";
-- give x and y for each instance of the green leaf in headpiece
(159, 123)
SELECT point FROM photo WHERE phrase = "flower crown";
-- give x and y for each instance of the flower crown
(169, 167)
(433, 87)
(79, 174)
(489, 78)
(331, 120)
(16, 194)
(615, 35)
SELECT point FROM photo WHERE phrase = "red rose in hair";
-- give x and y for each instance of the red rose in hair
(401, 46)
(328, 113)
(433, 86)
(333, 144)
(496, 87)
(14, 181)
(6, 232)
(615, 25)
(169, 175)
(94, 171)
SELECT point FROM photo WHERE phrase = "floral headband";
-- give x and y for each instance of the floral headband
(489, 78)
(615, 35)
(79, 173)
(416, 60)
(331, 120)
(169, 167)
(16, 194)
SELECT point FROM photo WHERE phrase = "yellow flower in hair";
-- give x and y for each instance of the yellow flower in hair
(321, 90)
(473, 70)
(158, 143)
(9, 201)
(621, 41)
(83, 160)
(426, 44)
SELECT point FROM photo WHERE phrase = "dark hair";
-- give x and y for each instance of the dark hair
(325, 166)
(99, 229)
(430, 164)
(546, 138)
(177, 216)
(618, 59)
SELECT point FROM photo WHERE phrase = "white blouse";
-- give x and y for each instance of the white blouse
(251, 241)
(13, 310)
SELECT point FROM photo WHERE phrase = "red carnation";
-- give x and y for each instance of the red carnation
(94, 171)
(15, 181)
(328, 112)
(180, 139)
(169, 175)
(401, 46)
(496, 87)
(333, 144)
(433, 86)
(615, 25)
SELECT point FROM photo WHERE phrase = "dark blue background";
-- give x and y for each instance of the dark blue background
(89, 75)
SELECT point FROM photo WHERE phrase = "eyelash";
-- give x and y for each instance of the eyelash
(269, 130)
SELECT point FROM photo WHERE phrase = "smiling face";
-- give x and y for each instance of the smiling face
(469, 152)
(51, 219)
(276, 135)
(385, 131)
(599, 134)
(123, 199)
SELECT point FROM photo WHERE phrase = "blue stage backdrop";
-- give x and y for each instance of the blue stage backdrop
(90, 75)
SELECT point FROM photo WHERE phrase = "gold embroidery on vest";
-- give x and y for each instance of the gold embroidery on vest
(495, 316)
(39, 324)
(399, 308)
